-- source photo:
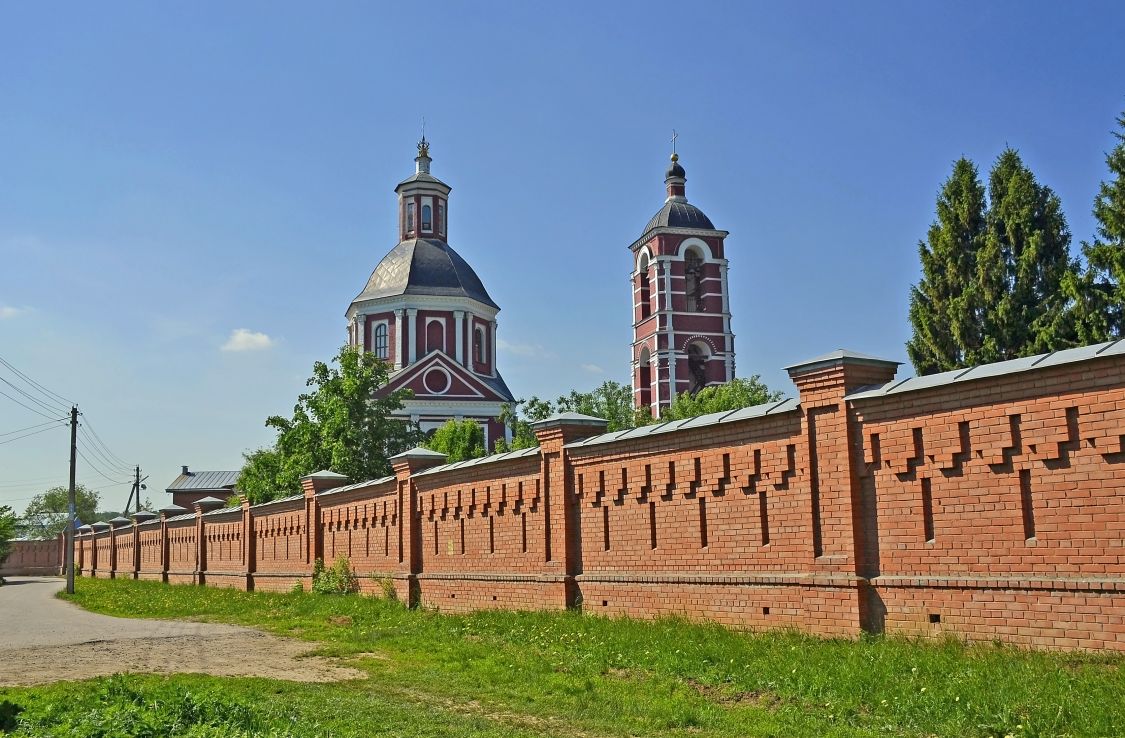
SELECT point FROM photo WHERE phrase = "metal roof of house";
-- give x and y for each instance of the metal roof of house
(203, 481)
(424, 266)
(729, 416)
(1000, 368)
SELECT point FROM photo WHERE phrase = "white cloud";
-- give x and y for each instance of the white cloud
(593, 368)
(529, 350)
(243, 339)
(6, 311)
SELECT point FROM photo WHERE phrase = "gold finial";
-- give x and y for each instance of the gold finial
(423, 145)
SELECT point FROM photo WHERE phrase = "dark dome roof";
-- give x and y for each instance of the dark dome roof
(675, 170)
(676, 214)
(424, 266)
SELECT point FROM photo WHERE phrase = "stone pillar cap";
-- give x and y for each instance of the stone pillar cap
(325, 474)
(420, 452)
(119, 521)
(560, 419)
(839, 356)
(142, 516)
(173, 510)
(209, 503)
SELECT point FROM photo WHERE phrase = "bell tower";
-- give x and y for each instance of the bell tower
(682, 341)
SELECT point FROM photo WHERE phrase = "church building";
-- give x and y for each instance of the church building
(682, 341)
(426, 312)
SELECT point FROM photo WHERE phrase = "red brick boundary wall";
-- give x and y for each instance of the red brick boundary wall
(988, 503)
(34, 558)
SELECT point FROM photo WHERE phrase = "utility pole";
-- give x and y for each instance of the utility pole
(137, 486)
(70, 503)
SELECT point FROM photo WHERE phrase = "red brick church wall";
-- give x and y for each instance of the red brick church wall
(990, 509)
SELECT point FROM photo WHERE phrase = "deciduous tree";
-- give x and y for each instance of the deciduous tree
(7, 532)
(341, 425)
(46, 514)
(734, 395)
(459, 440)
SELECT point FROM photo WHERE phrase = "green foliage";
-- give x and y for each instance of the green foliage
(734, 395)
(500, 673)
(386, 587)
(299, 586)
(459, 440)
(45, 516)
(338, 579)
(1023, 266)
(945, 305)
(997, 281)
(1100, 291)
(7, 531)
(116, 707)
(610, 400)
(341, 425)
(614, 402)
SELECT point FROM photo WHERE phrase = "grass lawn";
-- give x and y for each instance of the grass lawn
(524, 674)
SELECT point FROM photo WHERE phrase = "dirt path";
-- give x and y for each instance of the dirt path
(44, 639)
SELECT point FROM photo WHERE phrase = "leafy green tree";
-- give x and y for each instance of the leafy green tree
(611, 400)
(945, 308)
(459, 440)
(734, 395)
(46, 514)
(341, 425)
(518, 417)
(1024, 266)
(7, 531)
(1100, 292)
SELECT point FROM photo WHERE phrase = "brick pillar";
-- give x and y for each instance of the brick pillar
(410, 559)
(312, 485)
(563, 544)
(838, 512)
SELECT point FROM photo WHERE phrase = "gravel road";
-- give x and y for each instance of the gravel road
(44, 639)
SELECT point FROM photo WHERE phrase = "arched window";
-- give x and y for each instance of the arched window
(441, 218)
(410, 217)
(646, 290)
(435, 336)
(693, 280)
(381, 341)
(427, 218)
(478, 345)
(644, 379)
(698, 354)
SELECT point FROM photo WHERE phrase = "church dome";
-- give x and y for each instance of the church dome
(424, 266)
(678, 214)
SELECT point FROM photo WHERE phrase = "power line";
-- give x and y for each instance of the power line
(29, 407)
(99, 471)
(109, 463)
(25, 435)
(51, 408)
(90, 427)
(41, 388)
(30, 427)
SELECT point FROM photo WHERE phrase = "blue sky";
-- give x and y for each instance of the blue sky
(171, 173)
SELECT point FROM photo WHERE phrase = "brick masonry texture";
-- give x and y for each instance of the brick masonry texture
(992, 509)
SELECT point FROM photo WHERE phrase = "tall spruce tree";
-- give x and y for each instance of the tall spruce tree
(1100, 293)
(1023, 266)
(945, 305)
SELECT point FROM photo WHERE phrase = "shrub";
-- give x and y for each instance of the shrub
(298, 587)
(386, 587)
(337, 579)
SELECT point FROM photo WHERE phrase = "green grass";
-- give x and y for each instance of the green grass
(513, 674)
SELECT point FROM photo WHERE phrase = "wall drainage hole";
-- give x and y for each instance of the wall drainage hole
(935, 618)
(765, 611)
(494, 598)
(605, 603)
(452, 597)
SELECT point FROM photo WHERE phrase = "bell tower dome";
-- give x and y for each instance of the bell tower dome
(682, 341)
